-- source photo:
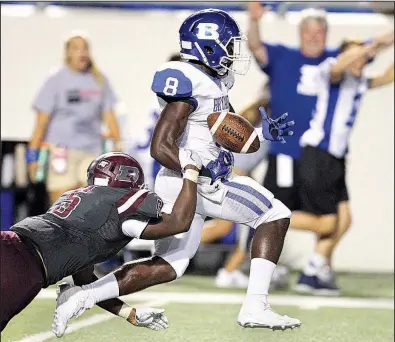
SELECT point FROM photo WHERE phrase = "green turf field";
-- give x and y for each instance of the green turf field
(199, 312)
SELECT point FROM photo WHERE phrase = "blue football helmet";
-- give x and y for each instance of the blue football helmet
(213, 37)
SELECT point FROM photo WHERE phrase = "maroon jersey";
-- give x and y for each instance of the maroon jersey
(84, 227)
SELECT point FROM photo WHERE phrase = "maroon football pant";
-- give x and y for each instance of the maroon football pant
(21, 277)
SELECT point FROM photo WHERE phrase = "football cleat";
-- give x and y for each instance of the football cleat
(256, 313)
(72, 301)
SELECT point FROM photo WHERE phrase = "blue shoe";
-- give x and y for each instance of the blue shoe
(306, 284)
(327, 283)
(316, 286)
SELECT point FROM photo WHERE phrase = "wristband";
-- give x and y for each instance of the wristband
(32, 155)
(191, 175)
(125, 311)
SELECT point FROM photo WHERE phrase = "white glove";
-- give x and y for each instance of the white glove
(188, 157)
(151, 318)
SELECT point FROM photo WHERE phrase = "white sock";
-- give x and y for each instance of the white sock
(315, 263)
(261, 273)
(103, 288)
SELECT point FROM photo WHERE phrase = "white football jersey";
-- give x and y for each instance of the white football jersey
(184, 80)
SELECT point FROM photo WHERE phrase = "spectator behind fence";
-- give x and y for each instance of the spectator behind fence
(70, 108)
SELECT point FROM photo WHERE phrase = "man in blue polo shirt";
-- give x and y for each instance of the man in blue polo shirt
(292, 73)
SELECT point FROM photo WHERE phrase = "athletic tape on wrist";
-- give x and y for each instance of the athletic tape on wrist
(32, 155)
(125, 311)
(191, 175)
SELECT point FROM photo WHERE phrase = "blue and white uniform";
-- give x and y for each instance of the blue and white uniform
(238, 199)
(325, 143)
(179, 80)
(335, 112)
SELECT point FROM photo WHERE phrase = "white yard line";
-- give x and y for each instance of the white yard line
(237, 298)
(83, 323)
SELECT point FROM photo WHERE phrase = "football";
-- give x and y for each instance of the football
(233, 132)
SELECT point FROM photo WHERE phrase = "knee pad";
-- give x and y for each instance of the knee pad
(179, 266)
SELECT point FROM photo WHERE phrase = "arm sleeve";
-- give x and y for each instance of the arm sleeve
(172, 85)
(109, 97)
(274, 51)
(134, 228)
(46, 97)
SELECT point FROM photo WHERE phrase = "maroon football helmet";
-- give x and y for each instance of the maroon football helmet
(116, 170)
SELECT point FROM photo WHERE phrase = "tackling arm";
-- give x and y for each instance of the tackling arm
(181, 216)
(158, 226)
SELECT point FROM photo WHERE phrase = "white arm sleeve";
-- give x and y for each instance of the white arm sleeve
(134, 228)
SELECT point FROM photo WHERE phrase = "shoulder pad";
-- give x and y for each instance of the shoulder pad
(151, 206)
(171, 82)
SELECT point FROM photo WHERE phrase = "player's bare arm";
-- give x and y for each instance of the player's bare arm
(181, 216)
(170, 126)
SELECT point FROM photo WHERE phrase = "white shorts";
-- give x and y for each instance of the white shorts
(239, 199)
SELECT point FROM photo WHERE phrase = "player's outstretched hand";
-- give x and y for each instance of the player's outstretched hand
(151, 318)
(188, 157)
(275, 129)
